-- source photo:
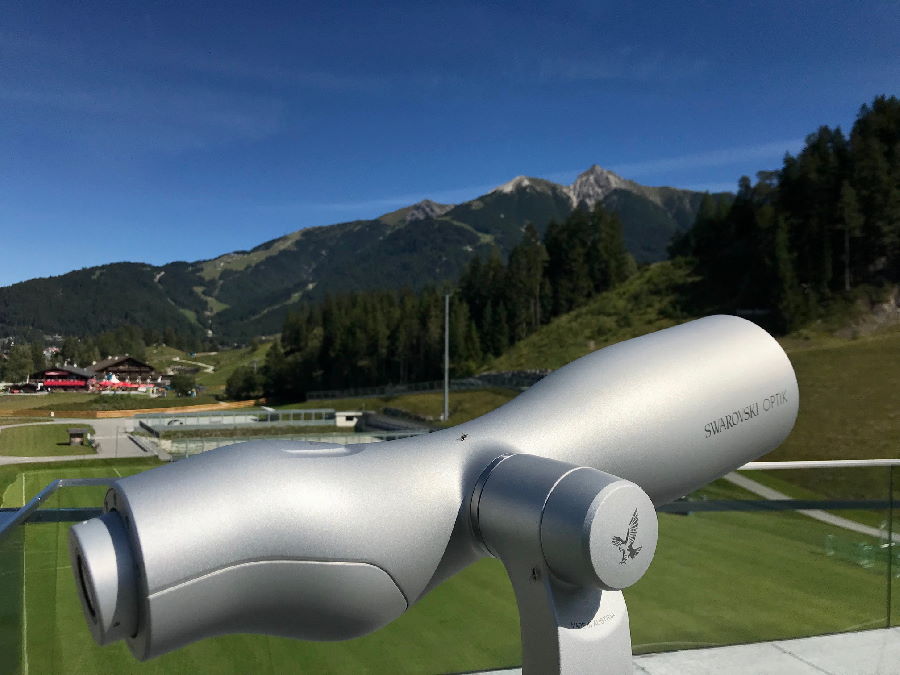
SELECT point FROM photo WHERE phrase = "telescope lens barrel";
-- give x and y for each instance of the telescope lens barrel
(106, 576)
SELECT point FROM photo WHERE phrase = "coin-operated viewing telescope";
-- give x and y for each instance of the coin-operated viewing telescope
(337, 541)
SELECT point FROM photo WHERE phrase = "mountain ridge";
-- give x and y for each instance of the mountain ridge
(244, 293)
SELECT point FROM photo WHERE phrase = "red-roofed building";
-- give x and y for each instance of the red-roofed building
(64, 378)
(124, 369)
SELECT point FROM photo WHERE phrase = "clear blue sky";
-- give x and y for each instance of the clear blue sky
(160, 131)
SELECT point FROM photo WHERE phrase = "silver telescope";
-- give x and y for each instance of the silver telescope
(334, 542)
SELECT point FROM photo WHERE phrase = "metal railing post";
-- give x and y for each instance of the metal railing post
(890, 548)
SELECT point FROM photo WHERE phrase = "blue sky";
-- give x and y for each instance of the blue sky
(179, 131)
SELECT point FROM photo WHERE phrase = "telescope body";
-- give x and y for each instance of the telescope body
(329, 542)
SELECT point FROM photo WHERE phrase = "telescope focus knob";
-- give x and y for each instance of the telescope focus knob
(590, 528)
(570, 537)
(598, 530)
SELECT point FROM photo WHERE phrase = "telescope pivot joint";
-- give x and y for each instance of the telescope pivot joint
(570, 538)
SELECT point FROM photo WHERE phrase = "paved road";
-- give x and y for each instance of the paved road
(109, 433)
(768, 493)
(206, 366)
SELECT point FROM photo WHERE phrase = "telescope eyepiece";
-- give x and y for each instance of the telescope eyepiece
(106, 577)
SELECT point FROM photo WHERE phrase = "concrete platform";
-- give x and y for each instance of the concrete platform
(871, 652)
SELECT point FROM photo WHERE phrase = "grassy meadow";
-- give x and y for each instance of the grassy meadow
(41, 440)
(9, 420)
(12, 402)
(65, 402)
(223, 363)
(849, 399)
(129, 402)
(646, 302)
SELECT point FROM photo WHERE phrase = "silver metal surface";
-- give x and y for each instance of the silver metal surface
(561, 532)
(669, 412)
(598, 530)
(106, 580)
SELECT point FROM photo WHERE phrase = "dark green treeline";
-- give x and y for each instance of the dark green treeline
(801, 239)
(369, 338)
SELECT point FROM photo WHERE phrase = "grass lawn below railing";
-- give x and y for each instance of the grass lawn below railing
(42, 440)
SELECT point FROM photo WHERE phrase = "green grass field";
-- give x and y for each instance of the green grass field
(129, 402)
(4, 420)
(27, 402)
(717, 579)
(645, 303)
(223, 362)
(849, 400)
(41, 440)
(77, 401)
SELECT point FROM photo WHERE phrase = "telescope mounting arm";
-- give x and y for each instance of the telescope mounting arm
(570, 539)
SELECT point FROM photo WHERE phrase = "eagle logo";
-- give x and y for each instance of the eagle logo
(626, 545)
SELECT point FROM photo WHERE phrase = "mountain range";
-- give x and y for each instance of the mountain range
(245, 293)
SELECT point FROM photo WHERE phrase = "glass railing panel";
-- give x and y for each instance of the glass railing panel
(735, 577)
(11, 590)
(866, 537)
(894, 571)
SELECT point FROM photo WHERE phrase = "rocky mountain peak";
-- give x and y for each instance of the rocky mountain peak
(594, 184)
(426, 209)
(516, 183)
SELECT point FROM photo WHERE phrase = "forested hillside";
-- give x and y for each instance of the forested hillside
(795, 246)
(359, 339)
(243, 294)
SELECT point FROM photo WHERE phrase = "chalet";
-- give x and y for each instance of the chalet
(64, 378)
(123, 369)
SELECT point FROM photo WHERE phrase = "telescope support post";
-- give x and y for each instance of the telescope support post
(549, 523)
(568, 629)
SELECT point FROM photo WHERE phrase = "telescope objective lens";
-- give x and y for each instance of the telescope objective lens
(101, 553)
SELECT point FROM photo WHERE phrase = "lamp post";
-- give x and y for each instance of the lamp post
(446, 414)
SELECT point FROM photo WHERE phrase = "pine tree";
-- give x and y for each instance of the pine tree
(274, 376)
(787, 297)
(568, 271)
(69, 352)
(37, 356)
(851, 222)
(613, 265)
(525, 274)
(244, 383)
(19, 364)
